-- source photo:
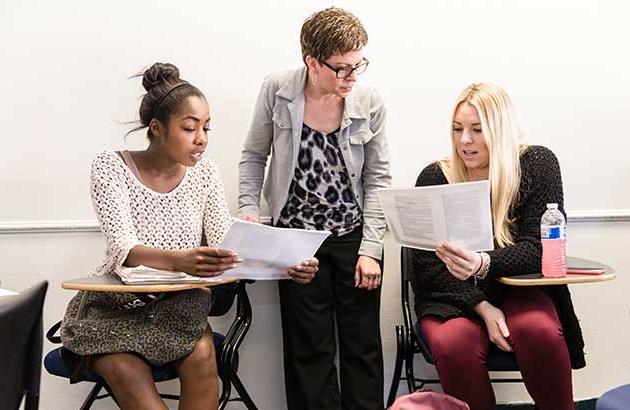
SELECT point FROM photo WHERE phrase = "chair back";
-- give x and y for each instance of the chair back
(223, 298)
(21, 332)
(410, 293)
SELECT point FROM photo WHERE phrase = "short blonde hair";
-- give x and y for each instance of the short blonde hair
(503, 137)
(331, 31)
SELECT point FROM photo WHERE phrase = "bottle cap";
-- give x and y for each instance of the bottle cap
(552, 206)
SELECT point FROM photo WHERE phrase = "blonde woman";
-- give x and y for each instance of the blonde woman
(463, 310)
(326, 136)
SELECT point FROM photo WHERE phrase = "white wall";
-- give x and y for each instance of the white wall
(64, 91)
(65, 63)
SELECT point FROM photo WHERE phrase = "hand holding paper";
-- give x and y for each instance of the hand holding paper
(255, 252)
(206, 261)
(267, 252)
(305, 271)
(460, 262)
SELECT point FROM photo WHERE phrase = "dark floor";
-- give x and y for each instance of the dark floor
(581, 405)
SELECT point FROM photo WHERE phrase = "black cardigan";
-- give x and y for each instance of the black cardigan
(444, 296)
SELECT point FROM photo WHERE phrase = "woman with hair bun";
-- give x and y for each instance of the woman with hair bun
(154, 206)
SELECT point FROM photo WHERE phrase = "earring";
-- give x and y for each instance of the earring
(314, 81)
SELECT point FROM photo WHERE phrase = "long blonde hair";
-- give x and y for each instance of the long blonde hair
(503, 136)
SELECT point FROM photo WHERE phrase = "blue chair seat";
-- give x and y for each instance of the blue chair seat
(54, 364)
(615, 399)
(501, 361)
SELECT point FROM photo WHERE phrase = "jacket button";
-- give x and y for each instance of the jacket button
(352, 175)
(282, 125)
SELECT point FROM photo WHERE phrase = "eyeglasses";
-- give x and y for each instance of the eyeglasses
(346, 71)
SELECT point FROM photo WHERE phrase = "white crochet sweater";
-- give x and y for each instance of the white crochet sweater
(132, 214)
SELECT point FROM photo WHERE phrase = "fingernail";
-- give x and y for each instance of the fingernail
(306, 263)
(234, 265)
(239, 259)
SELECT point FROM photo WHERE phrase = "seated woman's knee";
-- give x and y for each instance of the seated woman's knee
(536, 329)
(448, 349)
(121, 367)
(203, 358)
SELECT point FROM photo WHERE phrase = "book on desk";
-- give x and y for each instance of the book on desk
(584, 267)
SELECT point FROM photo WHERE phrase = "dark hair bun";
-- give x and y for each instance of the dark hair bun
(160, 73)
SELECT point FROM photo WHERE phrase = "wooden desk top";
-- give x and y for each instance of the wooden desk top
(108, 283)
(537, 279)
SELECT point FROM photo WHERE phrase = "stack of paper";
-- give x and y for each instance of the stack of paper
(142, 275)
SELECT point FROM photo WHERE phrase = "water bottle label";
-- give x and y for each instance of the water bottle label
(553, 232)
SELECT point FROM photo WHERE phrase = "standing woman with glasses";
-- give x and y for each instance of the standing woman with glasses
(327, 135)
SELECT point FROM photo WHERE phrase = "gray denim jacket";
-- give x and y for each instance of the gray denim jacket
(277, 127)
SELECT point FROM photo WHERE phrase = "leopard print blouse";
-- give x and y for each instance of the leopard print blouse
(321, 195)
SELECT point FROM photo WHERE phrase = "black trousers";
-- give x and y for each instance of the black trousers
(308, 328)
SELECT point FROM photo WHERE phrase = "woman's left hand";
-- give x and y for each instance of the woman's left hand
(460, 262)
(367, 274)
(305, 271)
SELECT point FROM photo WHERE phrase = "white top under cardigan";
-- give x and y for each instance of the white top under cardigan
(132, 214)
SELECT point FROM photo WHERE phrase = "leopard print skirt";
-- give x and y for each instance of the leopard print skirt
(160, 330)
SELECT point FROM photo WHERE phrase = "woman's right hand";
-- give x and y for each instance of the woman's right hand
(494, 319)
(250, 218)
(206, 261)
(305, 271)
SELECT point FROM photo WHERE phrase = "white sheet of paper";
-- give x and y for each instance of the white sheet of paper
(423, 217)
(268, 251)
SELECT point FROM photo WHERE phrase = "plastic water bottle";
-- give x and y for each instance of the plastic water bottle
(554, 240)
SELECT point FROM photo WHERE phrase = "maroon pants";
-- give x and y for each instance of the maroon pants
(460, 347)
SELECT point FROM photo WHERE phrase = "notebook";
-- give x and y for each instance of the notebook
(584, 267)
